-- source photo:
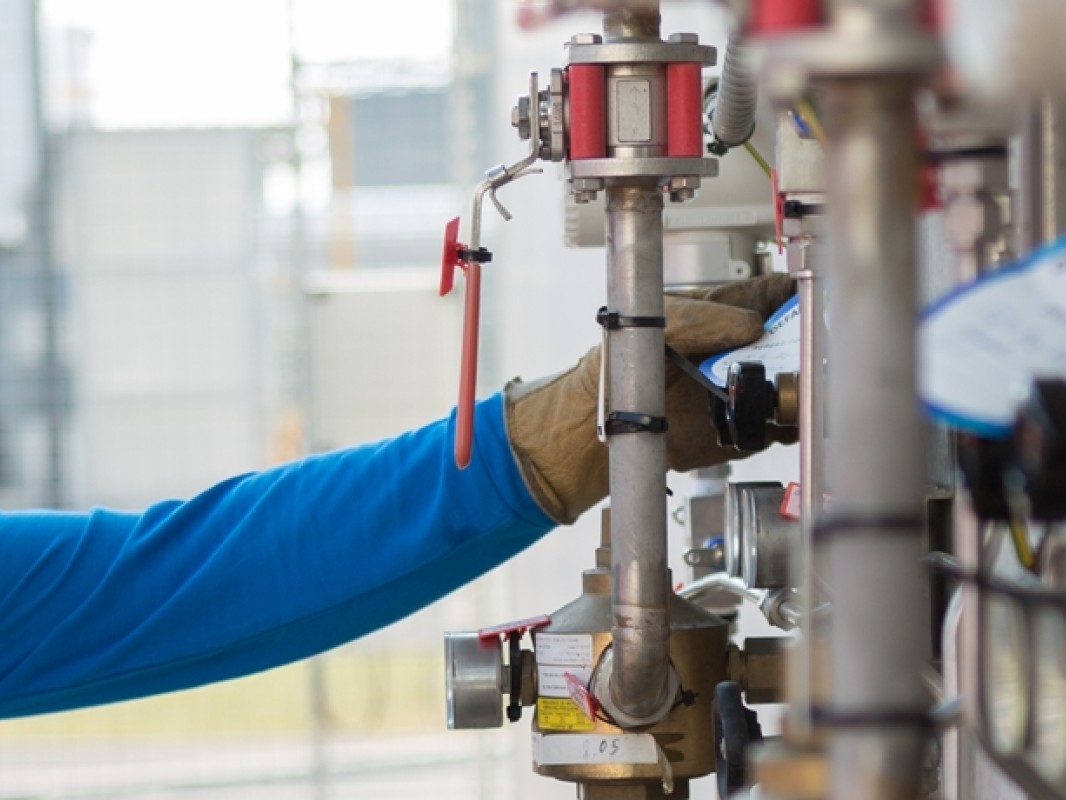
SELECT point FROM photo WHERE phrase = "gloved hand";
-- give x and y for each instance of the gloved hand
(552, 422)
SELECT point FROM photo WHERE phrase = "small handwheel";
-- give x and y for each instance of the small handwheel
(735, 727)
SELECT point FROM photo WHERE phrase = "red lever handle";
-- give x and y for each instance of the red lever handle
(451, 258)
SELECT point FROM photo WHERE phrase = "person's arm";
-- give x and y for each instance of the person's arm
(258, 571)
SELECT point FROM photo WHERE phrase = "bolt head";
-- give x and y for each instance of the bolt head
(592, 185)
(520, 117)
(586, 38)
(682, 195)
(681, 182)
(556, 82)
(582, 198)
(684, 38)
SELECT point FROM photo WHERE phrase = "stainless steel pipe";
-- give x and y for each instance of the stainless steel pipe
(878, 634)
(641, 593)
(640, 685)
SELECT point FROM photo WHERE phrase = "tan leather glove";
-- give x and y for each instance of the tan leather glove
(551, 422)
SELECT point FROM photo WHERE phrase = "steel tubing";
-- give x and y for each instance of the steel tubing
(812, 483)
(875, 449)
(641, 587)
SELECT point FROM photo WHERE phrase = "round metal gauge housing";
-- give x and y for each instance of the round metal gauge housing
(1049, 723)
(474, 680)
(1006, 681)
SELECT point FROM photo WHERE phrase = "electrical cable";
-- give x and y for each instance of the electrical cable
(764, 165)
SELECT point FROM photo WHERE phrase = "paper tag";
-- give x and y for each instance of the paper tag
(778, 349)
(983, 345)
(621, 748)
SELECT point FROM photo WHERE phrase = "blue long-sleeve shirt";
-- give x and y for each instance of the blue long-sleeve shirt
(257, 571)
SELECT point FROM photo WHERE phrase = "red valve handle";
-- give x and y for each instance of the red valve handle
(452, 257)
(779, 212)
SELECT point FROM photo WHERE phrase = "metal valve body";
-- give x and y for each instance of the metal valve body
(698, 653)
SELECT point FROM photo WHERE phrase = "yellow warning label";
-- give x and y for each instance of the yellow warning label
(561, 714)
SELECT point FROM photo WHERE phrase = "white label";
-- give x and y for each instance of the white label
(593, 748)
(566, 650)
(551, 679)
(778, 349)
(983, 345)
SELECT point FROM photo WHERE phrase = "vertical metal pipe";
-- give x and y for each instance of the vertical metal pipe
(641, 589)
(812, 457)
(641, 632)
(875, 448)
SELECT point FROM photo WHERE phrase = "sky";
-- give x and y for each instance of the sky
(161, 63)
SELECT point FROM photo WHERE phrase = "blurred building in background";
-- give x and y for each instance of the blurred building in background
(180, 303)
(191, 288)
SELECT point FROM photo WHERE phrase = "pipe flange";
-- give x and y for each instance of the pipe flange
(640, 53)
(551, 114)
(600, 685)
(663, 168)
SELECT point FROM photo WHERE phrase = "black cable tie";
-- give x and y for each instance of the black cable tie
(835, 524)
(612, 321)
(965, 153)
(797, 209)
(872, 718)
(694, 372)
(481, 255)
(631, 422)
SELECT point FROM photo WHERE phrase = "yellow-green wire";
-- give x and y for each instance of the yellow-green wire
(1019, 535)
(754, 153)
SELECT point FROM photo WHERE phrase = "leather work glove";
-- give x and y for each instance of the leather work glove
(551, 422)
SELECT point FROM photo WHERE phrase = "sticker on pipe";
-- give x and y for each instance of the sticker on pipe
(562, 714)
(562, 660)
(778, 349)
(620, 748)
(564, 650)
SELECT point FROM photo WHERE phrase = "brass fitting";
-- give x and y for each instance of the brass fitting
(759, 669)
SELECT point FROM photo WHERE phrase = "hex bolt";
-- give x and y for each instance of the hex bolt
(586, 38)
(683, 188)
(584, 190)
(684, 38)
(520, 117)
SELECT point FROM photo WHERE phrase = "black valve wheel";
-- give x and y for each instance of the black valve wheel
(735, 727)
(750, 406)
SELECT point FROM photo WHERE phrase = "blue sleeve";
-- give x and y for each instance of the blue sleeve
(258, 571)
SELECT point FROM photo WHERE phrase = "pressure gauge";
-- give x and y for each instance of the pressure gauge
(757, 538)
(1006, 684)
(1050, 701)
(474, 680)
